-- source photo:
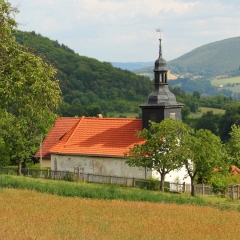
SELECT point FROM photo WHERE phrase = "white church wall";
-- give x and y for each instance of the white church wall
(98, 165)
(175, 176)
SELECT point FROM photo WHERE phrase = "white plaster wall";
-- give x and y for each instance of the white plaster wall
(98, 165)
(175, 176)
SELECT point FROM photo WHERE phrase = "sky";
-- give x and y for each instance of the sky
(125, 30)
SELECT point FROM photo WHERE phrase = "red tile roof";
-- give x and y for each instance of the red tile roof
(234, 170)
(61, 126)
(100, 136)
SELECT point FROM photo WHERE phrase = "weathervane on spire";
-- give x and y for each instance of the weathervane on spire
(159, 30)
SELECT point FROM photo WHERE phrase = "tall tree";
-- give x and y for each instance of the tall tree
(231, 116)
(209, 121)
(161, 148)
(201, 155)
(29, 91)
(233, 146)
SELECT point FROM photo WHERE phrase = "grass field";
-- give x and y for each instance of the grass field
(206, 109)
(116, 114)
(27, 214)
(215, 110)
(103, 214)
(225, 81)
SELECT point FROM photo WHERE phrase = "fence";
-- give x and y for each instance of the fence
(78, 174)
(179, 187)
(234, 191)
(202, 189)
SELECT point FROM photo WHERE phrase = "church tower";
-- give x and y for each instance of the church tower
(161, 103)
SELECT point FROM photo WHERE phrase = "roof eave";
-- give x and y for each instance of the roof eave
(89, 155)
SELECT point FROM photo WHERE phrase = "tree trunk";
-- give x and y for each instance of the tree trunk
(162, 181)
(19, 170)
(192, 186)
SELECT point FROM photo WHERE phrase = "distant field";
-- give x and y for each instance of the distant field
(225, 81)
(215, 110)
(134, 115)
(206, 109)
(217, 81)
(30, 215)
(116, 115)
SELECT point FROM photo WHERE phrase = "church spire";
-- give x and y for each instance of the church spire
(160, 48)
(161, 103)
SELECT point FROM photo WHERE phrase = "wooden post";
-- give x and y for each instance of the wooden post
(184, 187)
(78, 173)
(133, 183)
(203, 189)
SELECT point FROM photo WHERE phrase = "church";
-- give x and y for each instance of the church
(99, 145)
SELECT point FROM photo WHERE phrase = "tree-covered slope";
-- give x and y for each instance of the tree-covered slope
(215, 58)
(212, 59)
(86, 81)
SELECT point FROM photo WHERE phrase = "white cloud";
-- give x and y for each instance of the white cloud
(124, 30)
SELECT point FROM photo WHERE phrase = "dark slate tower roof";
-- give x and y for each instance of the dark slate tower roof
(161, 103)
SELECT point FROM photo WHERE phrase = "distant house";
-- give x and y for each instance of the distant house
(98, 145)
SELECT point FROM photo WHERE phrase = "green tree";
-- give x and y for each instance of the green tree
(161, 149)
(201, 155)
(185, 112)
(196, 94)
(231, 116)
(4, 153)
(209, 121)
(233, 146)
(29, 92)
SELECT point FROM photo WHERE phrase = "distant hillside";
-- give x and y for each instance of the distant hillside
(131, 65)
(88, 85)
(213, 59)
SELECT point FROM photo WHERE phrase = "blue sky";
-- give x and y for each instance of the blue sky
(125, 30)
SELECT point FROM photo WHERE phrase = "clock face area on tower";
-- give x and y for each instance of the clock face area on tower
(161, 103)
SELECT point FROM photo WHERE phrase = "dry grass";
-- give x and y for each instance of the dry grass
(30, 215)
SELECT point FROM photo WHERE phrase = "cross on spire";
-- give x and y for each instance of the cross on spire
(159, 30)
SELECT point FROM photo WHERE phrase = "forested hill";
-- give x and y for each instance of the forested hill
(213, 59)
(86, 81)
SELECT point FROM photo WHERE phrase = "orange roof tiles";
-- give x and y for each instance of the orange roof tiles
(61, 126)
(100, 136)
(234, 170)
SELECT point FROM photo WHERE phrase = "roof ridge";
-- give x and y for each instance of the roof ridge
(76, 126)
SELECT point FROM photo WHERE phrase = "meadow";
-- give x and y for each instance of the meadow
(27, 214)
(206, 109)
(215, 110)
(225, 81)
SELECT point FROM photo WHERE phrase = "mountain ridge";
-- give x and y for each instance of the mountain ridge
(212, 59)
